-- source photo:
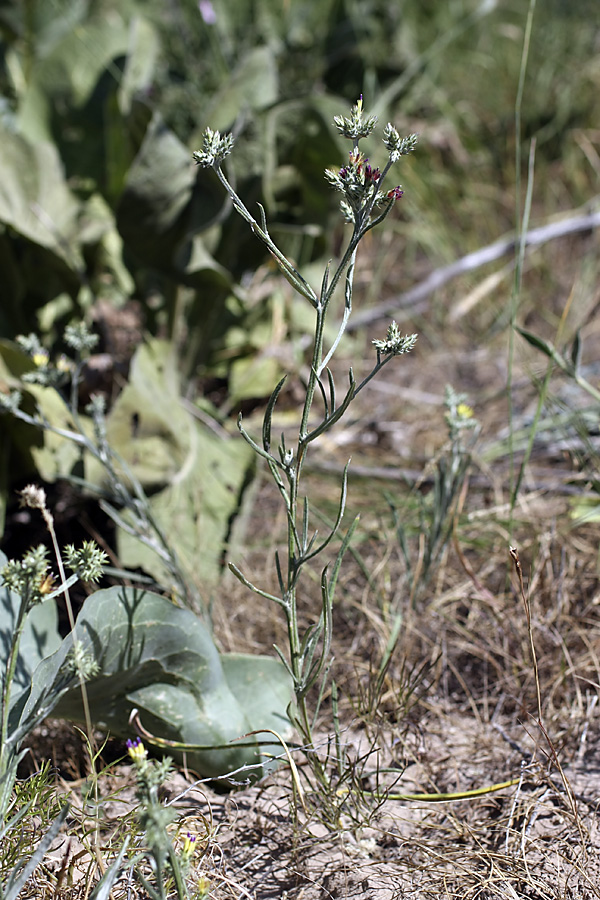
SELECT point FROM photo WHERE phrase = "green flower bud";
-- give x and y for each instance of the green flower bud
(214, 149)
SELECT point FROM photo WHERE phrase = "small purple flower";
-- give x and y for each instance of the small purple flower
(395, 193)
(207, 11)
(371, 175)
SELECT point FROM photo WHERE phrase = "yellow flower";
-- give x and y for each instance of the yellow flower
(40, 358)
(189, 844)
(202, 888)
(47, 585)
(464, 411)
(136, 750)
(64, 364)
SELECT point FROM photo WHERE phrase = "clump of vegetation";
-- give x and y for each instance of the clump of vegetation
(366, 202)
(442, 646)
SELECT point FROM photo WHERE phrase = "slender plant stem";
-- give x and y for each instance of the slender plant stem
(308, 653)
(521, 227)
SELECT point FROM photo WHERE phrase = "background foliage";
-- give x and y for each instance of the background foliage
(101, 103)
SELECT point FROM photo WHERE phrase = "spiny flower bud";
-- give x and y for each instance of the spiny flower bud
(87, 562)
(395, 342)
(28, 576)
(80, 338)
(214, 149)
(357, 125)
(397, 146)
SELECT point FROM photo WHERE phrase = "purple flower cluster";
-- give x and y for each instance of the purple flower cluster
(359, 169)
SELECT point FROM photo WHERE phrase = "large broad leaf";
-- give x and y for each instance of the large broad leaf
(74, 46)
(58, 457)
(25, 448)
(151, 215)
(166, 201)
(142, 58)
(161, 660)
(48, 23)
(34, 198)
(253, 85)
(199, 479)
(151, 656)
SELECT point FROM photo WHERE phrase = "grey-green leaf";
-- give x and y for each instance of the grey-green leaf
(161, 659)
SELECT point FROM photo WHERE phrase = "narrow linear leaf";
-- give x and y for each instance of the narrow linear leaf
(269, 415)
(340, 514)
(331, 386)
(286, 664)
(255, 446)
(324, 398)
(326, 628)
(337, 414)
(104, 887)
(279, 574)
(241, 577)
(325, 281)
(340, 555)
(544, 346)
(14, 821)
(305, 524)
(15, 883)
(309, 642)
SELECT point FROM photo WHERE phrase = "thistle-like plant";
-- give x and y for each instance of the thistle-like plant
(121, 492)
(438, 508)
(171, 869)
(30, 580)
(364, 203)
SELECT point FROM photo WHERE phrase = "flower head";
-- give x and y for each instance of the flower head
(189, 844)
(395, 342)
(207, 11)
(397, 146)
(214, 149)
(395, 193)
(40, 358)
(357, 125)
(33, 496)
(136, 750)
(358, 180)
(460, 417)
(64, 365)
(45, 372)
(88, 562)
(28, 576)
(80, 338)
